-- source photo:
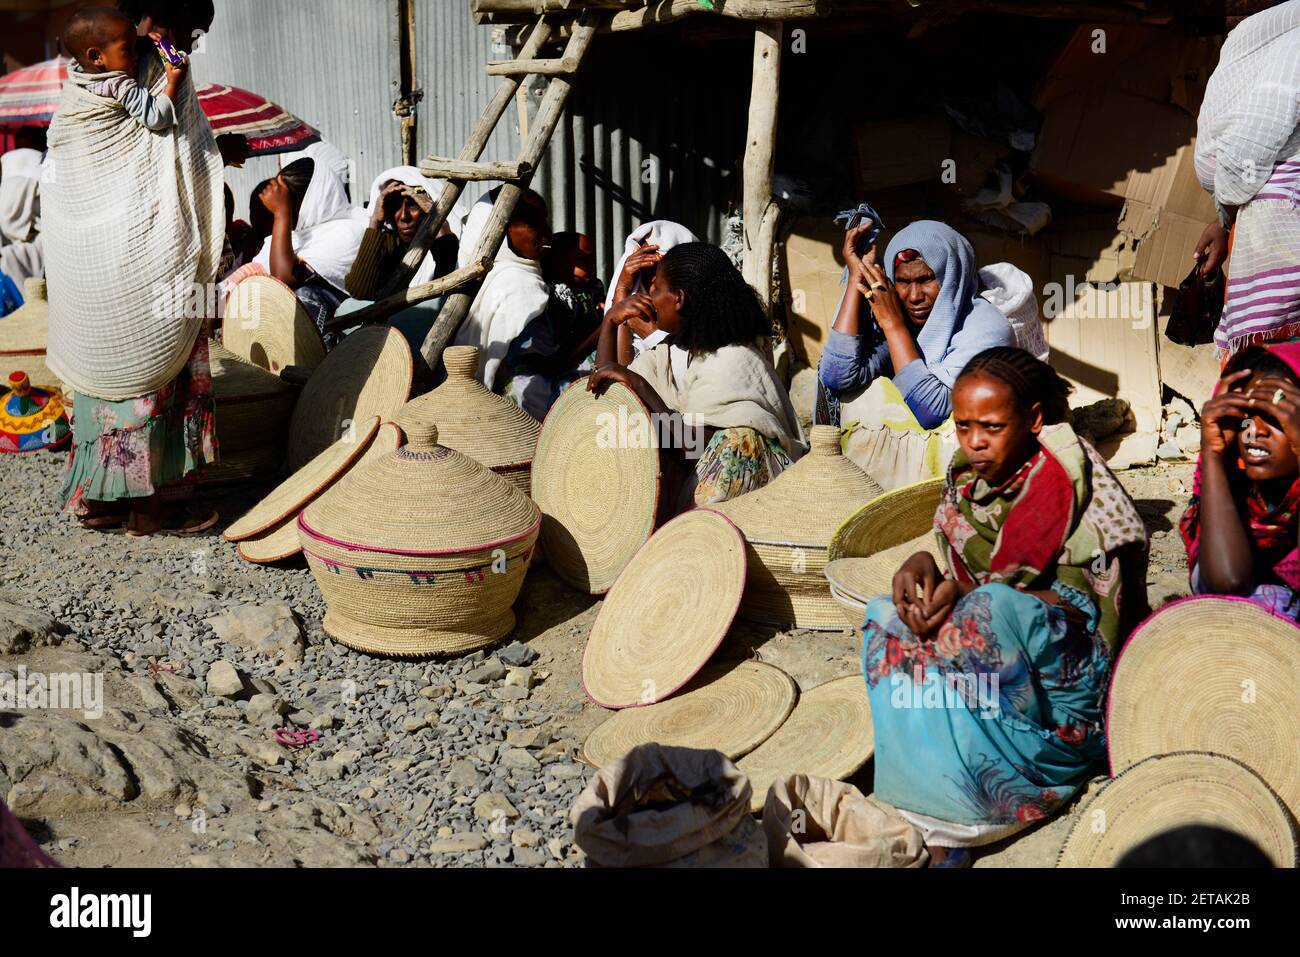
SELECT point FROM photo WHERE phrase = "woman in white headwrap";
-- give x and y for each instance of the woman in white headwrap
(20, 207)
(400, 199)
(314, 239)
(642, 251)
(514, 293)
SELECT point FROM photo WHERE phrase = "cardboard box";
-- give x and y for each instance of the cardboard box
(1151, 62)
(811, 271)
(1191, 371)
(1092, 142)
(1103, 340)
(1165, 212)
(899, 152)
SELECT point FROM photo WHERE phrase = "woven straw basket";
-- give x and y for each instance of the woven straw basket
(433, 571)
(23, 337)
(474, 421)
(599, 494)
(266, 325)
(1210, 673)
(1168, 791)
(870, 546)
(252, 406)
(788, 526)
(368, 373)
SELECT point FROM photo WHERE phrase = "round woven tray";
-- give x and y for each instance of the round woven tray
(733, 708)
(828, 735)
(667, 613)
(24, 334)
(1167, 791)
(471, 419)
(293, 494)
(281, 540)
(266, 325)
(367, 374)
(895, 519)
(598, 494)
(788, 525)
(1211, 674)
(252, 407)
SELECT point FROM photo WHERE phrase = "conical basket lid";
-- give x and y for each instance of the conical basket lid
(234, 378)
(471, 419)
(435, 500)
(806, 504)
(266, 325)
(26, 329)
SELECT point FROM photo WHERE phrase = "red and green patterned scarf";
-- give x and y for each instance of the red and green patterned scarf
(1062, 517)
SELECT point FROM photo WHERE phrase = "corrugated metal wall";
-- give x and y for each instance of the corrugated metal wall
(654, 128)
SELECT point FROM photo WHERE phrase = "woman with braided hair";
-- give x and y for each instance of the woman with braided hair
(986, 678)
(710, 380)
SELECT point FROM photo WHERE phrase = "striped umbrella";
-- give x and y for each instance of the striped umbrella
(30, 97)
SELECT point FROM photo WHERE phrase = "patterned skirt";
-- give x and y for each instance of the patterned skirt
(994, 724)
(736, 461)
(136, 447)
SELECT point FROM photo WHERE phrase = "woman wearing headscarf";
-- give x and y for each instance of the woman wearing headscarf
(903, 333)
(644, 248)
(20, 206)
(1248, 158)
(120, 335)
(315, 236)
(514, 292)
(400, 199)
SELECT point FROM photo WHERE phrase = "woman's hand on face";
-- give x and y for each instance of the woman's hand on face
(377, 214)
(276, 198)
(1221, 416)
(1211, 248)
(1286, 410)
(636, 307)
(879, 291)
(647, 257)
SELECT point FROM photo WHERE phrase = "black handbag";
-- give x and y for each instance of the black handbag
(1197, 308)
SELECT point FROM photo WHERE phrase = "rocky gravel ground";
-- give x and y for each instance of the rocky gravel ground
(463, 762)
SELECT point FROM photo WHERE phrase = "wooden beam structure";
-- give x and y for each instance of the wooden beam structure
(638, 15)
(760, 212)
(382, 310)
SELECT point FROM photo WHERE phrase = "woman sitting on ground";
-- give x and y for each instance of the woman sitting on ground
(1242, 525)
(400, 199)
(1046, 574)
(558, 347)
(315, 236)
(740, 430)
(903, 333)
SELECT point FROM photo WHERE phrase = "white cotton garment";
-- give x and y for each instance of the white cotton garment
(1012, 290)
(658, 232)
(329, 230)
(513, 294)
(133, 223)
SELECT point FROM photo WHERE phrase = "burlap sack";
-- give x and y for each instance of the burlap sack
(816, 822)
(668, 807)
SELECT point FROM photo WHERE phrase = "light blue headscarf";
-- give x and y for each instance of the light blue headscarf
(962, 323)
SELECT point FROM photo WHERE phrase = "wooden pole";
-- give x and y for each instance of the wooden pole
(760, 149)
(381, 310)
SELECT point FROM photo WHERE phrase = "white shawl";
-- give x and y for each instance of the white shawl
(133, 226)
(733, 387)
(329, 231)
(410, 176)
(513, 294)
(20, 194)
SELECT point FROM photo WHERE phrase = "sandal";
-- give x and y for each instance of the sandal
(192, 525)
(102, 522)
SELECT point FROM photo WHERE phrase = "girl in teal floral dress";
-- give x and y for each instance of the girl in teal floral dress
(986, 679)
